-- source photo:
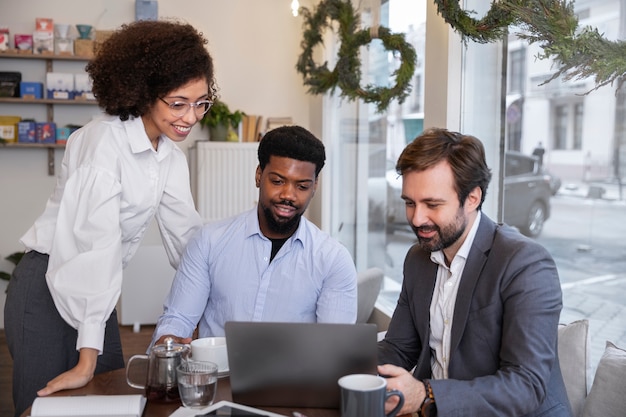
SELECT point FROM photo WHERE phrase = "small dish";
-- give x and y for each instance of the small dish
(223, 373)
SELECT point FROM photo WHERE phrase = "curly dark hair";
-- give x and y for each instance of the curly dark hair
(145, 60)
(293, 142)
(464, 153)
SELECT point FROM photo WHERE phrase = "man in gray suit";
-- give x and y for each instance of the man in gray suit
(477, 317)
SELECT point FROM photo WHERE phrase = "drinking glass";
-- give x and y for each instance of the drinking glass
(197, 383)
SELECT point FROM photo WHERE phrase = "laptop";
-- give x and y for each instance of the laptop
(296, 364)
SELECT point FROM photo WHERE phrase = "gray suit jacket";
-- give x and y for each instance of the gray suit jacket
(503, 355)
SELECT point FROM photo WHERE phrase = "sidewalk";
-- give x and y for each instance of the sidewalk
(597, 189)
(584, 300)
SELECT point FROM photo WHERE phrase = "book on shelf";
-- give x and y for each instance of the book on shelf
(274, 122)
(89, 405)
(251, 127)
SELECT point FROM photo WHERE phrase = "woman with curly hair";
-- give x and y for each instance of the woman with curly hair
(154, 80)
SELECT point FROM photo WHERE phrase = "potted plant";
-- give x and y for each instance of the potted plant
(220, 120)
(14, 258)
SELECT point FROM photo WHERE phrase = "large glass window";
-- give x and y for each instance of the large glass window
(574, 141)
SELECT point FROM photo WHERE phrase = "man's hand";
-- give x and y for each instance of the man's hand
(400, 379)
(176, 339)
(76, 377)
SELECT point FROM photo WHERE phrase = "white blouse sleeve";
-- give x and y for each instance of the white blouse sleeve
(177, 216)
(85, 266)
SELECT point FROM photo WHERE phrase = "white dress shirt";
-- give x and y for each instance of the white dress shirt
(111, 185)
(444, 300)
(226, 274)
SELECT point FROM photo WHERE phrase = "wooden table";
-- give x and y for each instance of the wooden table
(114, 383)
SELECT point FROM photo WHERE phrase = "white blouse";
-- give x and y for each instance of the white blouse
(112, 183)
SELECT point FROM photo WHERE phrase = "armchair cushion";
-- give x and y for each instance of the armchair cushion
(369, 283)
(607, 397)
(573, 347)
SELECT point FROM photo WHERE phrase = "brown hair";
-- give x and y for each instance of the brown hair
(464, 153)
(145, 60)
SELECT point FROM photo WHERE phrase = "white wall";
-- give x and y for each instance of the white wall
(255, 45)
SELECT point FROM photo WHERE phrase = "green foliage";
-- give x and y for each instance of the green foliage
(220, 113)
(347, 72)
(14, 258)
(580, 52)
(488, 29)
(553, 25)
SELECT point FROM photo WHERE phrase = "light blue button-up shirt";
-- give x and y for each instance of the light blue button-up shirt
(226, 275)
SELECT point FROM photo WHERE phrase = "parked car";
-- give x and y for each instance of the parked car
(527, 192)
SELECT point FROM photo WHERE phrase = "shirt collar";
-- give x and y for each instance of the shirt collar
(140, 142)
(253, 227)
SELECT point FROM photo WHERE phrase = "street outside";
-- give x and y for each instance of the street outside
(586, 238)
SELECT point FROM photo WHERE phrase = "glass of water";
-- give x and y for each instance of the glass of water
(197, 383)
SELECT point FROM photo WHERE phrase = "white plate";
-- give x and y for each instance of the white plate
(223, 373)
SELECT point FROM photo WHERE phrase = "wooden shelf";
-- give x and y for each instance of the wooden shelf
(43, 56)
(19, 100)
(48, 59)
(32, 145)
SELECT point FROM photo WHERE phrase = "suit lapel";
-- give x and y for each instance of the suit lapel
(471, 273)
(423, 298)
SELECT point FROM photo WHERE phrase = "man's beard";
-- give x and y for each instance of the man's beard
(443, 238)
(279, 225)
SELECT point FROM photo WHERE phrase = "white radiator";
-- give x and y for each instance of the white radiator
(224, 178)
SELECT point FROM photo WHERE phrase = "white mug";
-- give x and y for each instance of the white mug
(211, 349)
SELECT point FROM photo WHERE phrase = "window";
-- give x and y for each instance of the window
(568, 126)
(517, 70)
(584, 162)
(560, 127)
(578, 126)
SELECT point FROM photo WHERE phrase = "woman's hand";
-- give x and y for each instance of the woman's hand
(76, 377)
(400, 379)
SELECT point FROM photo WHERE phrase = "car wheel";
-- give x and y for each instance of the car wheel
(535, 219)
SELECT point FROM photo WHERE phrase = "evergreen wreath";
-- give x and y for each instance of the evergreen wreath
(554, 26)
(347, 72)
(488, 29)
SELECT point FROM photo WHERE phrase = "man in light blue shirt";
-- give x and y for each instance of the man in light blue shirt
(269, 263)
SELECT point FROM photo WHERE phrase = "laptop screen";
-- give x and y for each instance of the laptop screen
(296, 364)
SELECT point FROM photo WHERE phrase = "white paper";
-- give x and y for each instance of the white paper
(89, 405)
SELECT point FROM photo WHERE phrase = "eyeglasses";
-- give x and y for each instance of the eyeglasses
(180, 108)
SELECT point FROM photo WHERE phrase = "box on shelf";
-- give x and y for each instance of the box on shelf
(10, 83)
(82, 87)
(27, 132)
(83, 47)
(63, 133)
(23, 42)
(46, 132)
(31, 89)
(8, 128)
(4, 38)
(101, 36)
(44, 24)
(43, 42)
(59, 85)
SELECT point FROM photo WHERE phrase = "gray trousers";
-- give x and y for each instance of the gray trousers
(40, 342)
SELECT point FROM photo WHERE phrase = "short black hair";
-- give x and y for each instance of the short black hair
(293, 142)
